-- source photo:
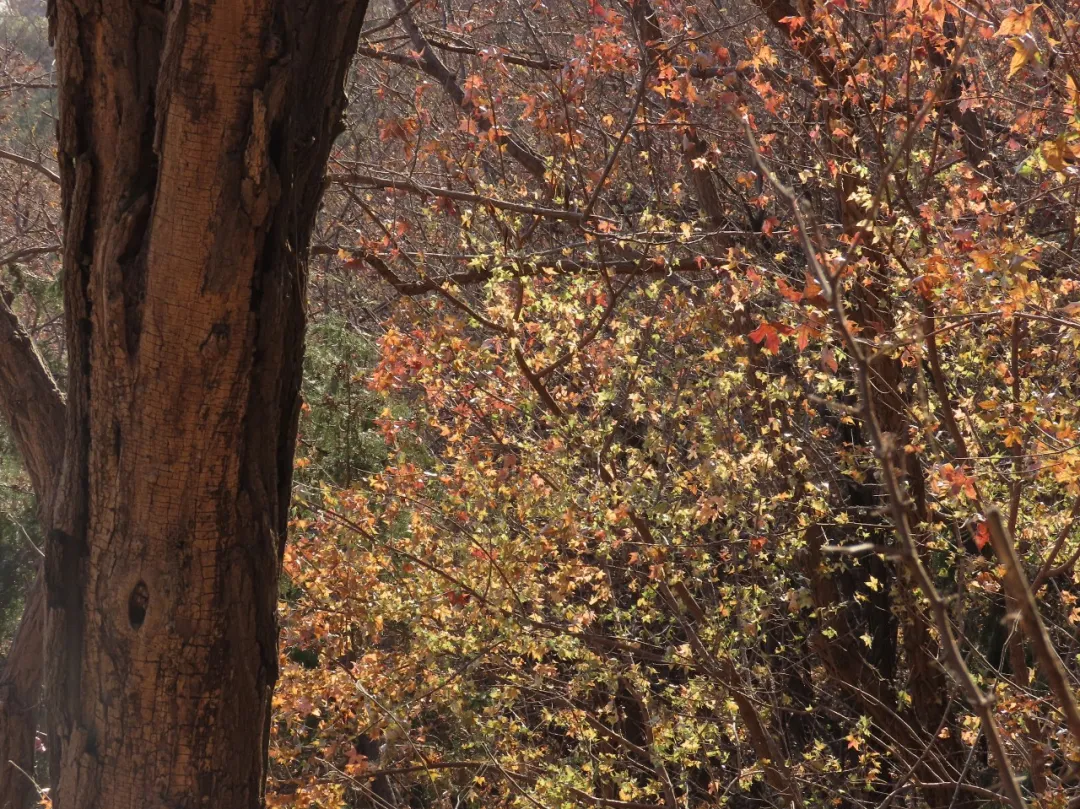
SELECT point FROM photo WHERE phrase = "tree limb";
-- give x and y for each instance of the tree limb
(31, 404)
(35, 412)
(429, 62)
(1016, 585)
(463, 196)
(526, 268)
(30, 163)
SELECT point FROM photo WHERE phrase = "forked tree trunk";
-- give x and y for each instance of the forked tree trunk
(192, 141)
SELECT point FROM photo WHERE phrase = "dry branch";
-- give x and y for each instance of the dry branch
(1016, 585)
(370, 181)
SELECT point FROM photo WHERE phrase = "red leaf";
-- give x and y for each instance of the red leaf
(787, 291)
(768, 334)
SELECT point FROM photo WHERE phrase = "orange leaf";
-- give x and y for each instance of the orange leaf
(804, 336)
(1017, 23)
(768, 334)
(787, 291)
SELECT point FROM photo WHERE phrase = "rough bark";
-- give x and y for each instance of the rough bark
(33, 408)
(192, 142)
(31, 405)
(20, 692)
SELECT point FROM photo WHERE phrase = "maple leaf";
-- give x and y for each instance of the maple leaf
(1057, 154)
(787, 291)
(1017, 23)
(804, 336)
(768, 334)
(959, 481)
(1025, 50)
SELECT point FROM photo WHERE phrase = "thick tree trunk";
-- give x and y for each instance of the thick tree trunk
(192, 142)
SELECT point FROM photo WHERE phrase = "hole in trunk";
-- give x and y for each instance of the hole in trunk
(137, 602)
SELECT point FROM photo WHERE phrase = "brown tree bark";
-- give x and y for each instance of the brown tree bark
(192, 142)
(33, 408)
(20, 691)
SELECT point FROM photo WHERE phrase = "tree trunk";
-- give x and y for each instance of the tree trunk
(20, 689)
(33, 408)
(192, 143)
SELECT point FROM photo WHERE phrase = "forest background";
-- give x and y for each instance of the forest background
(690, 406)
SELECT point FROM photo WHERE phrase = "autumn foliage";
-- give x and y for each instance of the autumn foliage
(726, 385)
(692, 414)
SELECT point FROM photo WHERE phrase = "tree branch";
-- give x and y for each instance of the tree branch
(462, 196)
(1016, 585)
(30, 163)
(429, 62)
(35, 411)
(31, 404)
(527, 268)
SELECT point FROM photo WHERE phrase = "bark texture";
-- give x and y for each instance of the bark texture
(20, 691)
(193, 137)
(33, 407)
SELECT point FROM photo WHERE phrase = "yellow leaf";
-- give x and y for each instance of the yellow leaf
(1017, 23)
(1024, 49)
(1056, 153)
(983, 260)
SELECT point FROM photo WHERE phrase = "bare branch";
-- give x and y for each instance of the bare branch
(1016, 585)
(29, 162)
(389, 21)
(1047, 570)
(509, 58)
(29, 252)
(463, 196)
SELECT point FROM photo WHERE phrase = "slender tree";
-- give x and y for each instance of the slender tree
(192, 140)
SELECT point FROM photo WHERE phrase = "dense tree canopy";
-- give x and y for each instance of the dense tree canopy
(691, 407)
